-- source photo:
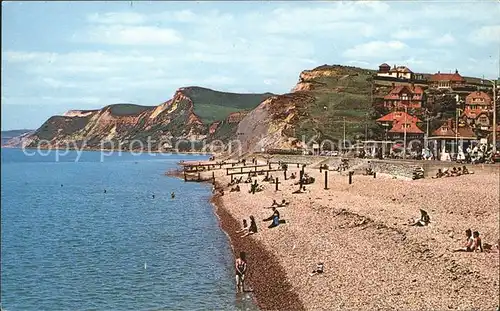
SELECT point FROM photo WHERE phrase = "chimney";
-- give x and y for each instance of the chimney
(456, 71)
(439, 72)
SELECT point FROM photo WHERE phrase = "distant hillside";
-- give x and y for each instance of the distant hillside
(9, 137)
(211, 106)
(189, 115)
(323, 99)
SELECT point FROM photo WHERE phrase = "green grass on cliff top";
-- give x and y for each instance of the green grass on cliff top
(345, 95)
(212, 105)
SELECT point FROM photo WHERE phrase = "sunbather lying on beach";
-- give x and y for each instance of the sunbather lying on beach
(252, 228)
(468, 244)
(248, 180)
(235, 189)
(424, 219)
(283, 203)
(465, 171)
(301, 190)
(318, 270)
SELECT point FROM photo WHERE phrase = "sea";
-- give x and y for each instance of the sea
(100, 231)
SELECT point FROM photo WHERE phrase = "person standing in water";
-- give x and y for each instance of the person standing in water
(172, 195)
(241, 269)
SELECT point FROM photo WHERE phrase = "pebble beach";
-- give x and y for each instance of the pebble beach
(373, 259)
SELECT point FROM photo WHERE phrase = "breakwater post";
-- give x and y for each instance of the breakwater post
(350, 177)
(213, 177)
(326, 180)
(277, 182)
(374, 174)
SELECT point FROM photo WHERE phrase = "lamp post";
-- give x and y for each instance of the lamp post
(404, 133)
(494, 82)
(343, 143)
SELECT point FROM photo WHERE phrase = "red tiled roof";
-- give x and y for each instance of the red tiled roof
(385, 65)
(397, 127)
(448, 130)
(416, 92)
(398, 116)
(456, 77)
(469, 100)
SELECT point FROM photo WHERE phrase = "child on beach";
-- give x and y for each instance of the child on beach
(241, 269)
(252, 229)
(245, 227)
(477, 244)
(468, 244)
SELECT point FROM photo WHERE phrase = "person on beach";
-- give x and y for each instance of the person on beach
(439, 174)
(283, 203)
(468, 244)
(477, 244)
(252, 228)
(245, 227)
(241, 269)
(318, 270)
(275, 217)
(465, 171)
(424, 220)
(274, 203)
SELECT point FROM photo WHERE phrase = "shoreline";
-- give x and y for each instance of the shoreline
(115, 150)
(367, 272)
(263, 266)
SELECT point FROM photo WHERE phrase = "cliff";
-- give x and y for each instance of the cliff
(187, 116)
(315, 109)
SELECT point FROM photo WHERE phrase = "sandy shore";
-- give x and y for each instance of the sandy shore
(373, 259)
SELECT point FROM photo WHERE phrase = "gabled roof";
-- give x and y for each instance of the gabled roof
(398, 116)
(456, 77)
(447, 130)
(470, 98)
(416, 92)
(397, 127)
(401, 69)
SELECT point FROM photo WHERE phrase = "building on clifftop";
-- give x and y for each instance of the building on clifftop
(446, 80)
(399, 72)
(401, 96)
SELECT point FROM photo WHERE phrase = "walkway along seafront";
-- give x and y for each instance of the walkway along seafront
(373, 259)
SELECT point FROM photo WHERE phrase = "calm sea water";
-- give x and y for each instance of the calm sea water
(68, 245)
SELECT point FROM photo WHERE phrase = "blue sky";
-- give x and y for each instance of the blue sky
(58, 56)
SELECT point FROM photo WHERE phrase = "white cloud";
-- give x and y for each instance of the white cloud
(130, 35)
(143, 57)
(372, 48)
(446, 39)
(414, 33)
(117, 18)
(485, 35)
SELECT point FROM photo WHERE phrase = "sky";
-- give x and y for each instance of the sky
(58, 56)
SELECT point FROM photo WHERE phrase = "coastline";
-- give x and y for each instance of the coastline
(266, 277)
(416, 270)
